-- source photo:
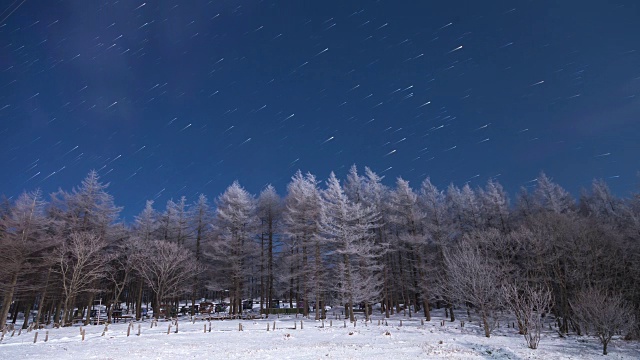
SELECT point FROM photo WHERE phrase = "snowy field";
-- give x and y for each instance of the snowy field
(412, 340)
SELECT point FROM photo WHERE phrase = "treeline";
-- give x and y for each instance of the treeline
(347, 242)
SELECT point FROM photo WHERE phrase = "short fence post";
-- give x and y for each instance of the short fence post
(35, 337)
(46, 336)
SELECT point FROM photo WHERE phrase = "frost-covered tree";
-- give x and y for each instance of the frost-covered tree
(474, 277)
(529, 304)
(603, 314)
(200, 217)
(270, 208)
(438, 231)
(349, 226)
(495, 206)
(24, 244)
(234, 247)
(174, 222)
(375, 196)
(302, 217)
(146, 223)
(549, 196)
(145, 229)
(354, 186)
(88, 208)
(406, 217)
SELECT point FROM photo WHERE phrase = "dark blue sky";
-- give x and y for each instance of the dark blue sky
(172, 98)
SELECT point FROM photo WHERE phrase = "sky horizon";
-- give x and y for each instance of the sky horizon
(167, 100)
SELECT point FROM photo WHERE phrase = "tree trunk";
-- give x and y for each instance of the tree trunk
(270, 268)
(8, 298)
(262, 276)
(453, 318)
(427, 311)
(27, 312)
(41, 302)
(57, 319)
(87, 320)
(485, 322)
(139, 303)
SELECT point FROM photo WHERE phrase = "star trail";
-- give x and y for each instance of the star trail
(170, 98)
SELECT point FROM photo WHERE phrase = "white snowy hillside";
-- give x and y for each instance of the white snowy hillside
(399, 337)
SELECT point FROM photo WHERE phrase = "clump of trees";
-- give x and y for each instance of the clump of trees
(355, 242)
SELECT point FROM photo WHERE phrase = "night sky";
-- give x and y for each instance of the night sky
(173, 98)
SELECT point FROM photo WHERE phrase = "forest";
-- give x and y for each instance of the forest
(354, 243)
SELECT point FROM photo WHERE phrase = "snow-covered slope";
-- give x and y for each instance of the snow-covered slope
(387, 341)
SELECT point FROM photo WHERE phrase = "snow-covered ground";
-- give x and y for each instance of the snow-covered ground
(388, 341)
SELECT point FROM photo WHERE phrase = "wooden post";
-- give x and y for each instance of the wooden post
(301, 325)
(169, 329)
(83, 331)
(209, 325)
(267, 326)
(274, 325)
(128, 330)
(422, 322)
(176, 326)
(322, 323)
(205, 328)
(139, 329)
(35, 337)
(239, 326)
(46, 336)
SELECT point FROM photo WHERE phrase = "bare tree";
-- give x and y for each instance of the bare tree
(475, 278)
(603, 313)
(80, 263)
(167, 269)
(529, 305)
